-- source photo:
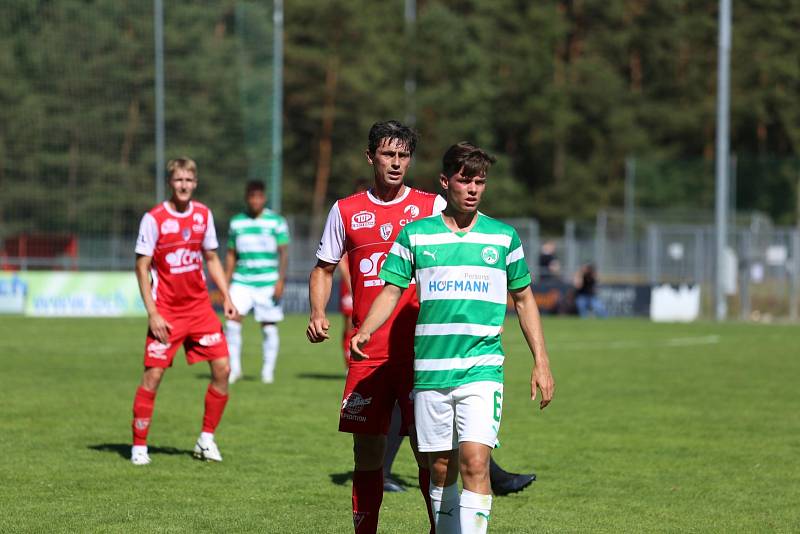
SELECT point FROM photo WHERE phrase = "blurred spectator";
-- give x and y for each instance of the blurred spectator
(549, 266)
(586, 299)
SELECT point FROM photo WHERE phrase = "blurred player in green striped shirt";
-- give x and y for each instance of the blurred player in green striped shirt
(256, 269)
(464, 264)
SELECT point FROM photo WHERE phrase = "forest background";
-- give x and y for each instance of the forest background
(563, 92)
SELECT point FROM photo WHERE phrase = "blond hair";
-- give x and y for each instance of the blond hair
(181, 163)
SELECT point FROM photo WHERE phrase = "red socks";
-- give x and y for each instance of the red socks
(367, 498)
(424, 478)
(143, 403)
(215, 405)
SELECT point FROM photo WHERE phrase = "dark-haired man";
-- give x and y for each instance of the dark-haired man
(364, 225)
(464, 264)
(255, 267)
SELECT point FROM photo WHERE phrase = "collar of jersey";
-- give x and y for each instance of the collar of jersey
(376, 200)
(460, 233)
(179, 213)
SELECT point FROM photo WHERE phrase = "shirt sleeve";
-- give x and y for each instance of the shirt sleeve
(398, 269)
(331, 246)
(148, 235)
(439, 204)
(210, 239)
(282, 232)
(517, 271)
(231, 237)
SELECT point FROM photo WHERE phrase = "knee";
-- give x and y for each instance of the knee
(475, 466)
(368, 454)
(152, 378)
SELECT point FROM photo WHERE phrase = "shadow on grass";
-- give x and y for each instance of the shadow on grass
(124, 449)
(322, 376)
(340, 479)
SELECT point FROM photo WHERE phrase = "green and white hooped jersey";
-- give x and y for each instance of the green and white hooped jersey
(256, 241)
(462, 282)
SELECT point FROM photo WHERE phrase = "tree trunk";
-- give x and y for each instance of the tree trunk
(323, 173)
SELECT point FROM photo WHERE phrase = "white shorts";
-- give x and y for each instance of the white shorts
(446, 417)
(258, 299)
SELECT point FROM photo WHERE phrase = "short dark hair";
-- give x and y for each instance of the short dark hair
(464, 155)
(392, 131)
(253, 186)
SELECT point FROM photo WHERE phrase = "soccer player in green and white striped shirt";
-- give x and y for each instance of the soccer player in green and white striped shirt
(464, 264)
(256, 269)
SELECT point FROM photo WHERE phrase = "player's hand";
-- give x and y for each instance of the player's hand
(542, 379)
(278, 294)
(317, 330)
(357, 342)
(230, 310)
(159, 327)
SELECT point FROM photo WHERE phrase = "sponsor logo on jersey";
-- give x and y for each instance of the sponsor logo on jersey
(462, 286)
(490, 255)
(170, 226)
(412, 211)
(429, 253)
(209, 340)
(386, 231)
(184, 260)
(354, 403)
(362, 219)
(370, 267)
(199, 225)
(157, 350)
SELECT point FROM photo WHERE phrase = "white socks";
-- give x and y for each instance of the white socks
(270, 349)
(205, 437)
(233, 333)
(464, 514)
(444, 502)
(475, 510)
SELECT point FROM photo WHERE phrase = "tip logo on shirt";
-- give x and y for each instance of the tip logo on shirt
(362, 219)
(170, 226)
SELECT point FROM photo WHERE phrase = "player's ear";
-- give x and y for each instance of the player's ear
(444, 181)
(369, 155)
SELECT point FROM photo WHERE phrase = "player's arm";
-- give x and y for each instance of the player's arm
(531, 323)
(230, 264)
(283, 267)
(217, 274)
(158, 325)
(320, 283)
(380, 311)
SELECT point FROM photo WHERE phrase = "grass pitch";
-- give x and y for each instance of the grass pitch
(653, 428)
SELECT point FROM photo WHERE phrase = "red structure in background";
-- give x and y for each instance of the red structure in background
(39, 251)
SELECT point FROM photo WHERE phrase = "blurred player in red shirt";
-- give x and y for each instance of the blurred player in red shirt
(364, 226)
(174, 237)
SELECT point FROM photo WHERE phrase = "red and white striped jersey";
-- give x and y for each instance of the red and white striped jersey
(365, 227)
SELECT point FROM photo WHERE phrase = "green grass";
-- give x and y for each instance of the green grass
(654, 428)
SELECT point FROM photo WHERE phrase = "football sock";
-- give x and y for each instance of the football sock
(445, 507)
(270, 349)
(143, 403)
(367, 497)
(393, 441)
(475, 510)
(233, 333)
(424, 478)
(215, 405)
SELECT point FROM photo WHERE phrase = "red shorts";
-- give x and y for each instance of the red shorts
(200, 334)
(369, 397)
